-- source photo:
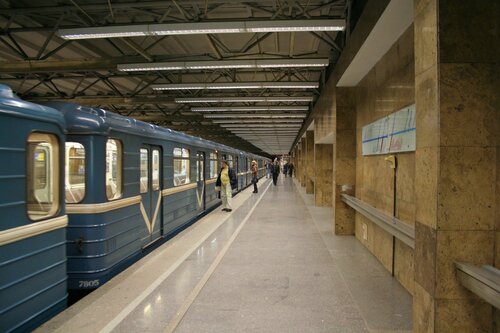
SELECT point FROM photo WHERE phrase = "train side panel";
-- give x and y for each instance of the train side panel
(32, 250)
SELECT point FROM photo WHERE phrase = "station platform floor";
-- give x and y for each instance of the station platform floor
(271, 265)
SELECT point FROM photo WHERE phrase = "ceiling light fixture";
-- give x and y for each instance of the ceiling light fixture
(256, 121)
(237, 85)
(230, 127)
(257, 115)
(196, 65)
(191, 28)
(250, 108)
(244, 99)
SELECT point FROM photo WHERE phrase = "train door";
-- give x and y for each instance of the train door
(200, 180)
(150, 188)
(237, 171)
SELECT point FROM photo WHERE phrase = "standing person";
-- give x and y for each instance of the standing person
(275, 171)
(290, 169)
(227, 182)
(255, 178)
(285, 168)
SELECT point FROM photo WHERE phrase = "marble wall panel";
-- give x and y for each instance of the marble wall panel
(497, 217)
(405, 188)
(426, 181)
(425, 257)
(323, 191)
(345, 159)
(463, 315)
(303, 163)
(457, 84)
(404, 266)
(473, 42)
(426, 40)
(427, 105)
(476, 247)
(310, 168)
(469, 104)
(423, 310)
(466, 191)
(382, 247)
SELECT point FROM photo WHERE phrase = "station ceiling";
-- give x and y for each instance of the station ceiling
(245, 73)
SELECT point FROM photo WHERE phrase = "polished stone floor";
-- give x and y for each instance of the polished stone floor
(272, 265)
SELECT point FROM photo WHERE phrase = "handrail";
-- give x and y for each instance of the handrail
(392, 225)
(483, 281)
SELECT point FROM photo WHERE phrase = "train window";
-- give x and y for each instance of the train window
(113, 169)
(75, 172)
(181, 166)
(144, 170)
(156, 170)
(214, 170)
(230, 161)
(42, 176)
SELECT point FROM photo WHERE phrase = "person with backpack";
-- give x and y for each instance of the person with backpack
(226, 182)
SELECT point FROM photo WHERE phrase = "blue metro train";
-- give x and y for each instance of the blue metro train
(83, 193)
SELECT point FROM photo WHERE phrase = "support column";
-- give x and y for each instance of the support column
(323, 186)
(309, 167)
(297, 161)
(303, 162)
(345, 159)
(457, 159)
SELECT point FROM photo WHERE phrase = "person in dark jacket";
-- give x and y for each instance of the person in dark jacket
(275, 170)
(255, 169)
(290, 169)
(227, 182)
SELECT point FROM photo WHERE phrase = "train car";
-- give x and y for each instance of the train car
(129, 185)
(33, 220)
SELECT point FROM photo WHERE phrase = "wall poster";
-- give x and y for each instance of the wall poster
(392, 134)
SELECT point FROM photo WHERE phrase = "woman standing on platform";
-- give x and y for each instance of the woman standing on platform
(275, 170)
(255, 179)
(227, 182)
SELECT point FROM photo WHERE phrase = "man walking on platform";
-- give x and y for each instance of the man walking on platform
(275, 170)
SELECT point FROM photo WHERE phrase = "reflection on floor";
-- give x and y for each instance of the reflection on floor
(283, 272)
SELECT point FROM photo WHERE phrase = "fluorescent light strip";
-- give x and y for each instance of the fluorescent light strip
(163, 29)
(257, 121)
(233, 126)
(266, 132)
(257, 116)
(250, 108)
(236, 85)
(249, 63)
(267, 136)
(244, 99)
(239, 125)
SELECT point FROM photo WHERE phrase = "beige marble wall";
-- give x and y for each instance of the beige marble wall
(324, 119)
(457, 83)
(323, 186)
(345, 158)
(303, 164)
(309, 168)
(388, 87)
